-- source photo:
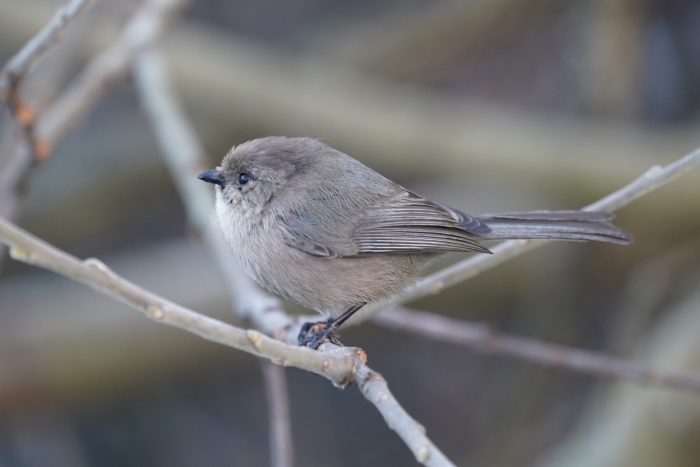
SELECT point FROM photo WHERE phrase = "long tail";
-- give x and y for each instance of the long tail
(561, 225)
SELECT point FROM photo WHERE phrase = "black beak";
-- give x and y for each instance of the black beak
(212, 176)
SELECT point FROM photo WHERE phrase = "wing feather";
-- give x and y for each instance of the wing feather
(409, 223)
(397, 223)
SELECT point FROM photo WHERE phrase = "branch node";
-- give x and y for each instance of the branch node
(254, 337)
(24, 114)
(95, 263)
(653, 171)
(42, 150)
(422, 454)
(20, 253)
(155, 313)
(437, 287)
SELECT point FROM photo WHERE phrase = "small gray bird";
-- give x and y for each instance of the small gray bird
(316, 226)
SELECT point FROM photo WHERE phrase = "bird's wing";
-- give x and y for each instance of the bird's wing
(409, 223)
(400, 223)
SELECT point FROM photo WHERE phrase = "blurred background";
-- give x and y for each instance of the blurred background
(486, 105)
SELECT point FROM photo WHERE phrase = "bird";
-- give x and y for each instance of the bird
(317, 227)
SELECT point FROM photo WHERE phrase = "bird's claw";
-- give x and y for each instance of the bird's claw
(313, 334)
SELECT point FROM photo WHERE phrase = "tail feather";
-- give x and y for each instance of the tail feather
(559, 225)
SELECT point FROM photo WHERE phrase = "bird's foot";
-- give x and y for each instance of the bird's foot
(313, 334)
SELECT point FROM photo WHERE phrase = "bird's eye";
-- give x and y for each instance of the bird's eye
(243, 178)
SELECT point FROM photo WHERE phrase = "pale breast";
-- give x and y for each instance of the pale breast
(326, 285)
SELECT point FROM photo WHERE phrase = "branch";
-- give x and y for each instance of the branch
(111, 65)
(42, 132)
(649, 181)
(226, 77)
(185, 157)
(29, 150)
(336, 365)
(483, 339)
(18, 66)
(277, 395)
(341, 365)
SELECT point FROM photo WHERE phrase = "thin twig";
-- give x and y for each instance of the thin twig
(652, 179)
(17, 68)
(29, 150)
(185, 157)
(483, 339)
(341, 365)
(375, 389)
(110, 66)
(277, 395)
(42, 132)
(19, 65)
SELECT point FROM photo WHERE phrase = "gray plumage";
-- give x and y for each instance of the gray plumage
(318, 227)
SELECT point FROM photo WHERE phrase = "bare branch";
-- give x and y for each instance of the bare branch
(341, 365)
(42, 132)
(29, 149)
(112, 65)
(335, 364)
(18, 66)
(375, 389)
(483, 339)
(649, 181)
(281, 445)
(185, 156)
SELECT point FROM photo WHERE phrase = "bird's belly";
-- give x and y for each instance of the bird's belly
(329, 285)
(326, 285)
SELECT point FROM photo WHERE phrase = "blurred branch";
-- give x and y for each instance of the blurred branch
(646, 287)
(18, 66)
(30, 149)
(483, 339)
(185, 156)
(341, 365)
(42, 131)
(229, 79)
(615, 41)
(649, 181)
(277, 396)
(111, 65)
(408, 41)
(634, 428)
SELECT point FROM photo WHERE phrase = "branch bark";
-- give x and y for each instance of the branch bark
(335, 364)
(29, 150)
(111, 65)
(341, 365)
(483, 339)
(649, 181)
(277, 396)
(19, 65)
